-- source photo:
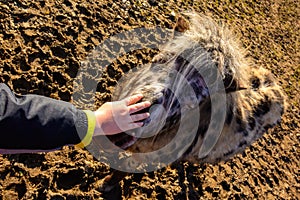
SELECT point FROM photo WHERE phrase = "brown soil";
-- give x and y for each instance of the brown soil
(42, 44)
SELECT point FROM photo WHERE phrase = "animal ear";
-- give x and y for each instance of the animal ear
(182, 24)
(231, 84)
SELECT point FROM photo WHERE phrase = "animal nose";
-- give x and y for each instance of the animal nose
(156, 103)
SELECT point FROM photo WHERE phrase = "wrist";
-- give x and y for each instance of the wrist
(99, 118)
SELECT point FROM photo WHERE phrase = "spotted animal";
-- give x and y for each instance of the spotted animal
(184, 83)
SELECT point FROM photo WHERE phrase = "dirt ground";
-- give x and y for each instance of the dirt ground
(42, 44)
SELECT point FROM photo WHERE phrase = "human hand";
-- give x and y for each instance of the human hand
(116, 117)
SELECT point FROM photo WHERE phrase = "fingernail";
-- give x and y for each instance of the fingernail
(140, 124)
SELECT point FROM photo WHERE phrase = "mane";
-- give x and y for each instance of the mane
(206, 42)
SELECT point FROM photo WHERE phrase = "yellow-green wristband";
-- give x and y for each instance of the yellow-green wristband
(91, 119)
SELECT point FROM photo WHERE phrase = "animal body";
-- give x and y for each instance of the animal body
(183, 78)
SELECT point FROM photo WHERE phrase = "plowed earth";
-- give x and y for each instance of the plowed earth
(42, 44)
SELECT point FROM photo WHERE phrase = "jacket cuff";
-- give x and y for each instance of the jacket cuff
(91, 121)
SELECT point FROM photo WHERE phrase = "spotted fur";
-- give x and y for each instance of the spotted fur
(255, 102)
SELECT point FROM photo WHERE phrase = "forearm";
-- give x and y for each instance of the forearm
(36, 122)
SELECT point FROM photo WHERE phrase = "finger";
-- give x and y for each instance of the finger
(139, 106)
(133, 99)
(135, 125)
(139, 117)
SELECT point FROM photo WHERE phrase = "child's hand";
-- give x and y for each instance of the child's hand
(116, 117)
